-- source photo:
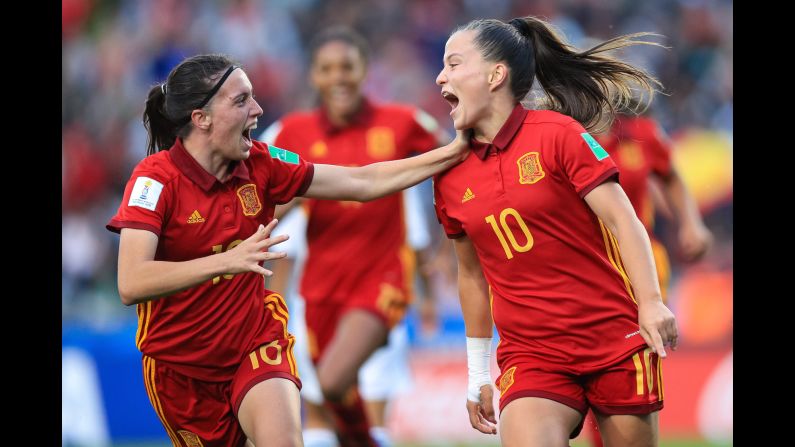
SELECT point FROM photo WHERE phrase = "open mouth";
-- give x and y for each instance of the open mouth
(451, 99)
(247, 134)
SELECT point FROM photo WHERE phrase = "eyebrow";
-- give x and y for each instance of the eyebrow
(449, 56)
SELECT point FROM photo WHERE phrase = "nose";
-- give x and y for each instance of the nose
(257, 109)
(441, 79)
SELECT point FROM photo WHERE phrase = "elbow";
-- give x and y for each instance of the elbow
(127, 294)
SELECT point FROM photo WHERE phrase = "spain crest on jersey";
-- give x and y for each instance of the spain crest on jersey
(249, 199)
(190, 438)
(506, 380)
(381, 142)
(530, 170)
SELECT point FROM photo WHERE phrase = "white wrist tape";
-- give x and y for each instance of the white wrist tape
(478, 364)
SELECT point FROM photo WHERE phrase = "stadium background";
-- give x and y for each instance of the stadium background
(114, 50)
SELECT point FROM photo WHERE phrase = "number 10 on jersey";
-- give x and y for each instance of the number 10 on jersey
(506, 231)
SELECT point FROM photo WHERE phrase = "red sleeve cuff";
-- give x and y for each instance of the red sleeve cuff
(116, 225)
(310, 173)
(599, 180)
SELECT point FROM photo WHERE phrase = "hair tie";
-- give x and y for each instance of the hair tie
(522, 26)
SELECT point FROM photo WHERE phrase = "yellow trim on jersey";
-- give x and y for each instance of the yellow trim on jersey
(638, 373)
(621, 267)
(151, 390)
(607, 237)
(143, 321)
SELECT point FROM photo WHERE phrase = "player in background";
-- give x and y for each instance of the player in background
(386, 374)
(194, 224)
(357, 279)
(549, 248)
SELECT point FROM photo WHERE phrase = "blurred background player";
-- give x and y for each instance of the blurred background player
(386, 374)
(357, 278)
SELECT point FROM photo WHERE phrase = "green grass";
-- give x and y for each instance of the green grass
(663, 443)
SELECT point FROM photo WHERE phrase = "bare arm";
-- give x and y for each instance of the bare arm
(377, 180)
(473, 291)
(694, 237)
(657, 324)
(142, 279)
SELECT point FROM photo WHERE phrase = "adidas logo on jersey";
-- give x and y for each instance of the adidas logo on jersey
(195, 217)
(468, 195)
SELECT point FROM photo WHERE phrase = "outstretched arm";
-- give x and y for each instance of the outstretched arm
(657, 324)
(142, 279)
(377, 180)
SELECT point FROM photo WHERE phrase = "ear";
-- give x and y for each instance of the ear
(498, 76)
(201, 119)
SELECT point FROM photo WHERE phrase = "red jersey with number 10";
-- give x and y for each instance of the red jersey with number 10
(559, 290)
(357, 251)
(205, 331)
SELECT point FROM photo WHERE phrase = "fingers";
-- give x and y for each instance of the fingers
(655, 342)
(477, 421)
(487, 403)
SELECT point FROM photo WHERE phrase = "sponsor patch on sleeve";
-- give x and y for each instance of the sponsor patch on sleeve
(283, 155)
(599, 152)
(145, 193)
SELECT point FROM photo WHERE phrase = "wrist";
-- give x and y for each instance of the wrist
(478, 366)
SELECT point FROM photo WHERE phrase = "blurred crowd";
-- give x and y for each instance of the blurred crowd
(115, 50)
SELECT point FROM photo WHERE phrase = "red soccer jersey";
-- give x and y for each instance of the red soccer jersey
(559, 291)
(205, 331)
(355, 247)
(639, 148)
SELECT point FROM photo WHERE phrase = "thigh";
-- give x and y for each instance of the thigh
(270, 413)
(543, 382)
(628, 430)
(358, 334)
(632, 386)
(194, 413)
(536, 421)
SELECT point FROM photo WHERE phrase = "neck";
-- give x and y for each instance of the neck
(207, 156)
(343, 119)
(487, 128)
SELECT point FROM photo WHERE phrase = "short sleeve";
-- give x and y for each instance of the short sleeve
(290, 175)
(584, 161)
(145, 203)
(452, 227)
(425, 133)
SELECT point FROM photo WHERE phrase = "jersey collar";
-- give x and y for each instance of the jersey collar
(504, 136)
(362, 116)
(193, 170)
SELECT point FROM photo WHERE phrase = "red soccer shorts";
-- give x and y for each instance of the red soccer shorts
(196, 413)
(385, 301)
(631, 386)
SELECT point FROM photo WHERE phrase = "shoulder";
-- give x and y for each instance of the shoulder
(158, 166)
(552, 121)
(290, 124)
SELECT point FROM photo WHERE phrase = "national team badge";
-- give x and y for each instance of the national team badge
(191, 439)
(381, 142)
(507, 380)
(530, 170)
(249, 199)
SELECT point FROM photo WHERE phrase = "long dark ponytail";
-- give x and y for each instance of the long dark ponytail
(589, 86)
(169, 105)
